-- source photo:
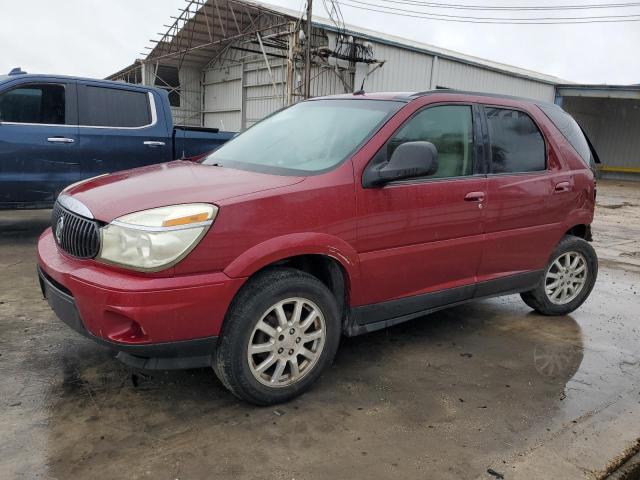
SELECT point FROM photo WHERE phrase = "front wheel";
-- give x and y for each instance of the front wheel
(281, 331)
(568, 278)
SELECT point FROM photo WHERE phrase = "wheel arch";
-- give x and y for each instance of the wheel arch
(330, 259)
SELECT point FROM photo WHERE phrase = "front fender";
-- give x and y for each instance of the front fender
(292, 245)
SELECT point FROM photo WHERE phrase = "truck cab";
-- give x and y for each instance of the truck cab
(56, 130)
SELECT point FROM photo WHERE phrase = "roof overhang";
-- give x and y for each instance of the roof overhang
(599, 91)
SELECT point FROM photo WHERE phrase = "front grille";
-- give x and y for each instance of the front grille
(78, 236)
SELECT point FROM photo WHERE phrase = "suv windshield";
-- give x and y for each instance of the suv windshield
(309, 137)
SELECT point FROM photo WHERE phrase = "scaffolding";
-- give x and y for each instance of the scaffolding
(208, 32)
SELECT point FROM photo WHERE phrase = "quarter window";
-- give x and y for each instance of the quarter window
(450, 129)
(113, 107)
(570, 129)
(516, 143)
(43, 104)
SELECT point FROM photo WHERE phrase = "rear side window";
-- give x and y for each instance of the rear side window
(43, 104)
(113, 107)
(516, 143)
(569, 129)
(450, 129)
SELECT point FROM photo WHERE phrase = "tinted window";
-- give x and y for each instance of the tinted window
(450, 129)
(570, 129)
(516, 143)
(33, 104)
(111, 107)
(308, 137)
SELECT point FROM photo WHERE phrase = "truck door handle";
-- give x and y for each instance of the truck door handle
(153, 143)
(60, 140)
(562, 187)
(474, 197)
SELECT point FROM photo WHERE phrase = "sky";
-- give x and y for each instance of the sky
(95, 38)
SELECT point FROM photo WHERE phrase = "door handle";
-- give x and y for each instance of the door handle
(153, 143)
(562, 187)
(474, 197)
(60, 140)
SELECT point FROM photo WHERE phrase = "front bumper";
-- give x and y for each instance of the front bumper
(153, 322)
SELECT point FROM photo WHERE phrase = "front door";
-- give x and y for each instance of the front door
(424, 235)
(38, 142)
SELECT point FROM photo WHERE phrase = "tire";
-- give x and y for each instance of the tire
(253, 313)
(570, 249)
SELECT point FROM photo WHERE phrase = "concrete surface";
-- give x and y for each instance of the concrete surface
(483, 386)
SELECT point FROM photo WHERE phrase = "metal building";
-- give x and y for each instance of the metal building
(230, 63)
(610, 114)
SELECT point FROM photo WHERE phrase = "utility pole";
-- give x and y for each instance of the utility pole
(307, 59)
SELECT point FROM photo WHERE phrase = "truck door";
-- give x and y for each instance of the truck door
(120, 128)
(38, 142)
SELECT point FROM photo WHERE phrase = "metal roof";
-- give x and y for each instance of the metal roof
(204, 27)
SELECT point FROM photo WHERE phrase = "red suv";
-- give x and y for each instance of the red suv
(338, 215)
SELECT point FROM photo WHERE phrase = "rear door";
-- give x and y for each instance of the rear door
(120, 128)
(521, 229)
(38, 141)
(424, 235)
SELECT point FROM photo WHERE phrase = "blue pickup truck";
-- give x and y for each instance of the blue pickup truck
(57, 130)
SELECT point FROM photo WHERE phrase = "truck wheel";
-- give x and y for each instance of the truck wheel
(281, 331)
(568, 279)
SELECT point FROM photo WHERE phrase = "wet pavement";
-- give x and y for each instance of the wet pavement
(488, 385)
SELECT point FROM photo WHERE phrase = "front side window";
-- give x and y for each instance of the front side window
(43, 104)
(516, 143)
(113, 107)
(450, 129)
(307, 138)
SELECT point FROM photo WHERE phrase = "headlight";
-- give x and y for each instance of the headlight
(155, 239)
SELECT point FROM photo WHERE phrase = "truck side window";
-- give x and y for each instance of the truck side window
(516, 143)
(43, 104)
(450, 129)
(113, 107)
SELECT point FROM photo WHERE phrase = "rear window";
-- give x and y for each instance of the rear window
(516, 143)
(569, 129)
(34, 103)
(113, 107)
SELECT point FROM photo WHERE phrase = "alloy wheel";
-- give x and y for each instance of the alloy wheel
(286, 342)
(566, 277)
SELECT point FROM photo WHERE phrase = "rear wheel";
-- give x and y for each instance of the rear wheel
(568, 279)
(281, 331)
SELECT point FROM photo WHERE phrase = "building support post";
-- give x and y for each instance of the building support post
(293, 39)
(307, 53)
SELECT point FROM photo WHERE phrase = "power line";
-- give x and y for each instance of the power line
(519, 7)
(489, 20)
(444, 15)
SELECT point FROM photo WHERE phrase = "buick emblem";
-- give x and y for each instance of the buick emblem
(59, 229)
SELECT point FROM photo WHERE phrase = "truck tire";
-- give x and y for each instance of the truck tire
(568, 278)
(281, 331)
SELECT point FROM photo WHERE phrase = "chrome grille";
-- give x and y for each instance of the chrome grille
(76, 235)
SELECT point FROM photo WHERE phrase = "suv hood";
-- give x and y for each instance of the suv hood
(111, 196)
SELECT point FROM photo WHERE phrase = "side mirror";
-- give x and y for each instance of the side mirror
(409, 160)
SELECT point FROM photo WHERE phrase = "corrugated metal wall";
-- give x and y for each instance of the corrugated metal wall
(238, 91)
(404, 71)
(188, 113)
(451, 74)
(223, 97)
(612, 125)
